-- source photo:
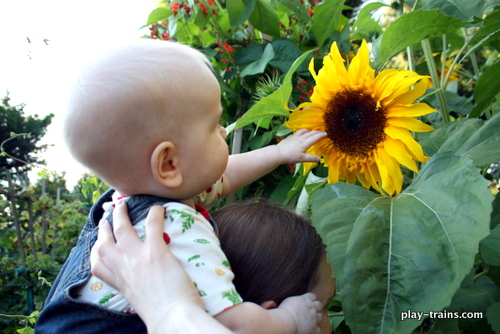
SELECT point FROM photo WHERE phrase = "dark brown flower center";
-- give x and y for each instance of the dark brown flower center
(354, 123)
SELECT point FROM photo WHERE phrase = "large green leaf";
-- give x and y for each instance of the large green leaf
(272, 105)
(265, 19)
(412, 28)
(487, 87)
(472, 137)
(326, 19)
(464, 10)
(409, 252)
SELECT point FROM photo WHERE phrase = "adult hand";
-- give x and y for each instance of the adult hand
(148, 275)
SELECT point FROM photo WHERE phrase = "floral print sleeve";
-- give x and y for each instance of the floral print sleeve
(211, 195)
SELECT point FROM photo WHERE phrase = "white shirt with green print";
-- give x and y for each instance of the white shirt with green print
(193, 241)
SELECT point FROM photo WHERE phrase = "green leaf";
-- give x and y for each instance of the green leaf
(477, 297)
(457, 103)
(483, 147)
(365, 24)
(249, 54)
(265, 19)
(445, 326)
(261, 140)
(272, 105)
(326, 19)
(490, 248)
(492, 316)
(260, 65)
(412, 28)
(495, 214)
(487, 87)
(158, 14)
(464, 10)
(474, 138)
(490, 6)
(286, 52)
(297, 7)
(489, 32)
(239, 11)
(409, 252)
(449, 137)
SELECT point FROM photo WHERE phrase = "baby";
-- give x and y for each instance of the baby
(145, 119)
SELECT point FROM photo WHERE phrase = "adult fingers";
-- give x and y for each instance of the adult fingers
(123, 229)
(154, 226)
(101, 251)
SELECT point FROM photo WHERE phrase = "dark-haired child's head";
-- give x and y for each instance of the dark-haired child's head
(274, 254)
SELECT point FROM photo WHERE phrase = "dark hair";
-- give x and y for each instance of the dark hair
(274, 253)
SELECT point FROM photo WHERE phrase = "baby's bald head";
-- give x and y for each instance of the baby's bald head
(125, 103)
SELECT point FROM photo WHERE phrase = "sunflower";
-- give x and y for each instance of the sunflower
(368, 120)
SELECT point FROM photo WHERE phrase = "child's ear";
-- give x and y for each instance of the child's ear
(268, 305)
(164, 165)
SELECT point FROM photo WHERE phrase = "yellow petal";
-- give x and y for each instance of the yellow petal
(389, 81)
(337, 60)
(413, 110)
(398, 151)
(409, 123)
(393, 181)
(405, 136)
(403, 86)
(359, 69)
(410, 96)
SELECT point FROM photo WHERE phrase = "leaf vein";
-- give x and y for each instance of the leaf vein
(440, 221)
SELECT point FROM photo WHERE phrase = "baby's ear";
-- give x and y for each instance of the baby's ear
(268, 305)
(164, 165)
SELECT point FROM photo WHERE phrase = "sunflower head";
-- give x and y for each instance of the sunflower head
(368, 119)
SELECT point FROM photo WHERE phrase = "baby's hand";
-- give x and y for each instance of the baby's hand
(292, 148)
(306, 310)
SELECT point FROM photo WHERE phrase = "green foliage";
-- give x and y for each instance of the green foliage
(17, 151)
(49, 220)
(373, 240)
(412, 28)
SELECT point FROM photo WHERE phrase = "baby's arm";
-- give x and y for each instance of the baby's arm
(247, 167)
(300, 314)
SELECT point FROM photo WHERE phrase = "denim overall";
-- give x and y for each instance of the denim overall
(62, 312)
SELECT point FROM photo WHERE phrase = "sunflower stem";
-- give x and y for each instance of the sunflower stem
(431, 65)
(411, 59)
(443, 63)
